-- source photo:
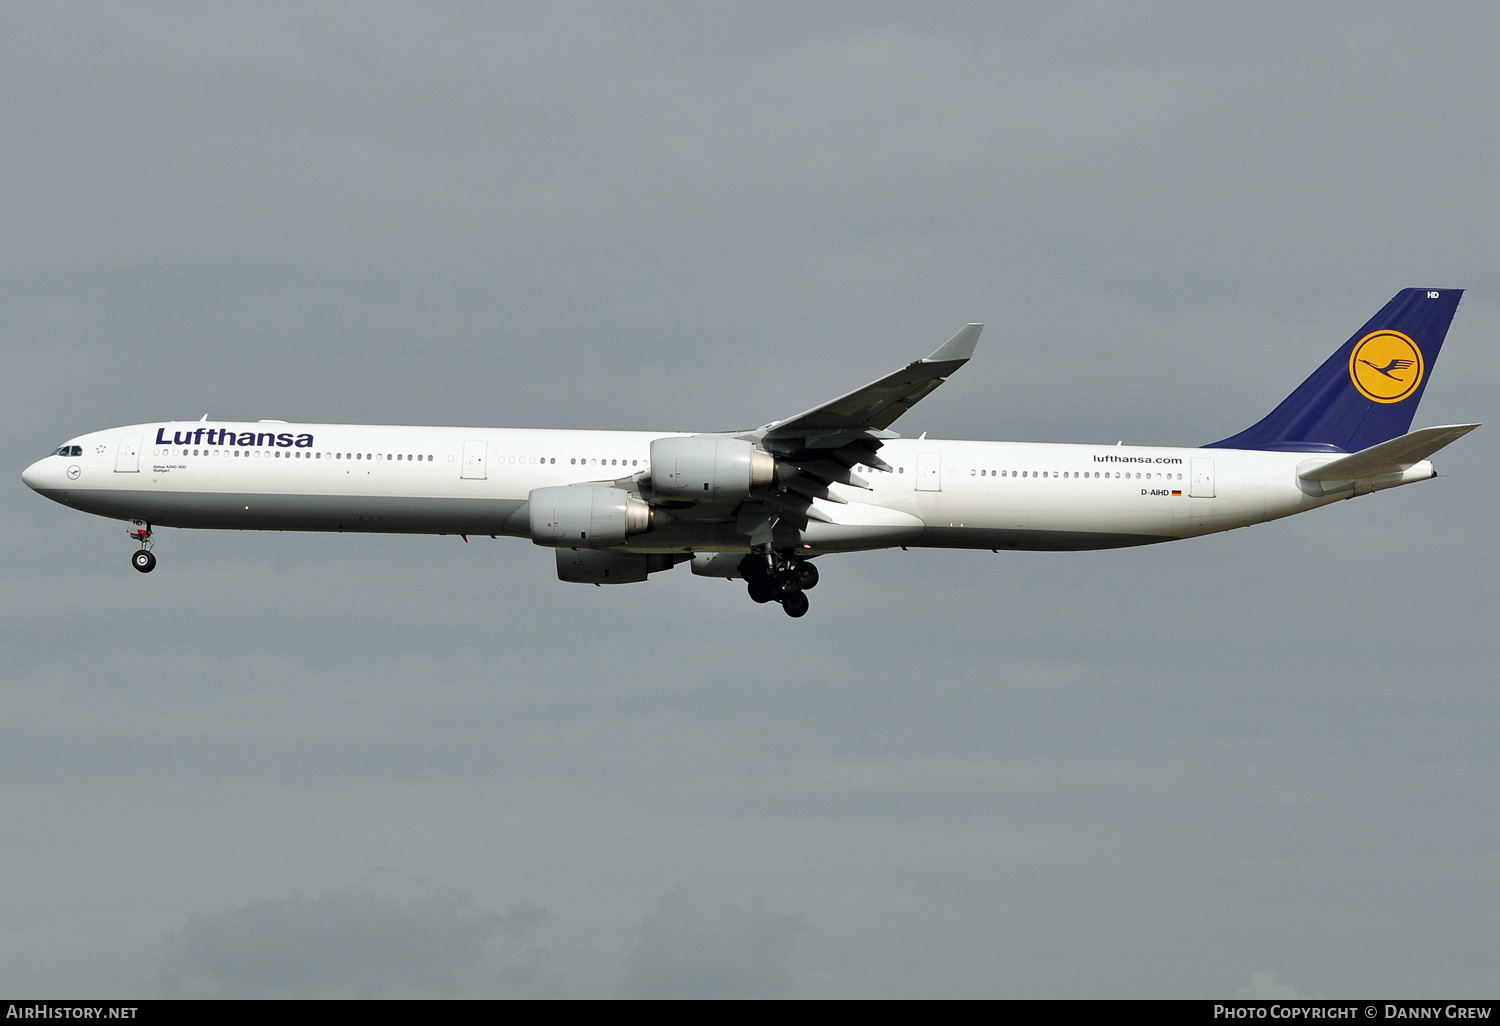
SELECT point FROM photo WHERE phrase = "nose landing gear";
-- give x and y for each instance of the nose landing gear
(142, 560)
(779, 577)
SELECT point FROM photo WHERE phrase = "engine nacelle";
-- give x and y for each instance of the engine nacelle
(586, 516)
(591, 566)
(718, 564)
(712, 467)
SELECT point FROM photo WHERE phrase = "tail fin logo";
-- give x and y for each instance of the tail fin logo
(1386, 366)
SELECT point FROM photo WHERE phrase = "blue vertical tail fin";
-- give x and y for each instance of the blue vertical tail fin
(1367, 392)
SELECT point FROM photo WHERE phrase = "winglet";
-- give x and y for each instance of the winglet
(960, 347)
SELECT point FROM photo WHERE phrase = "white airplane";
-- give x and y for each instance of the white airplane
(760, 504)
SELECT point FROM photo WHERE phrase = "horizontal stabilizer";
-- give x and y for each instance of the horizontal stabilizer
(1392, 457)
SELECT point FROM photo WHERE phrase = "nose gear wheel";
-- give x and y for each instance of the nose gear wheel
(142, 559)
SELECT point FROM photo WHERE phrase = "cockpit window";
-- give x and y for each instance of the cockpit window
(69, 450)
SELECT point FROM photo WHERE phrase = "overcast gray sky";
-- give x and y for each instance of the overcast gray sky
(1260, 763)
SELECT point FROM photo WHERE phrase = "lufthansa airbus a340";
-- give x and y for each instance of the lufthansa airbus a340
(760, 504)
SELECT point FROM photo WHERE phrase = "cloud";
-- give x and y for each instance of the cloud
(695, 949)
(1267, 986)
(600, 216)
(390, 936)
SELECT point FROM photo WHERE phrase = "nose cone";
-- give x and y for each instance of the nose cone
(36, 476)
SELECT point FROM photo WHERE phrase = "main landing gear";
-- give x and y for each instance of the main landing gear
(143, 560)
(779, 578)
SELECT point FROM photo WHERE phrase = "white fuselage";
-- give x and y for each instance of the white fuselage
(449, 480)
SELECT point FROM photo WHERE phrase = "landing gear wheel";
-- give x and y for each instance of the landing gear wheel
(779, 576)
(753, 567)
(762, 589)
(143, 561)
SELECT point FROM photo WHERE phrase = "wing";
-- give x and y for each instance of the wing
(877, 405)
(821, 446)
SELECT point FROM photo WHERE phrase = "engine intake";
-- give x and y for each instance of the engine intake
(586, 516)
(712, 467)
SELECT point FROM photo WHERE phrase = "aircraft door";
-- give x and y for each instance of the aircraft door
(475, 453)
(929, 471)
(1203, 480)
(128, 457)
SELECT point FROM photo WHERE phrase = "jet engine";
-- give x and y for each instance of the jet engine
(716, 468)
(591, 566)
(586, 516)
